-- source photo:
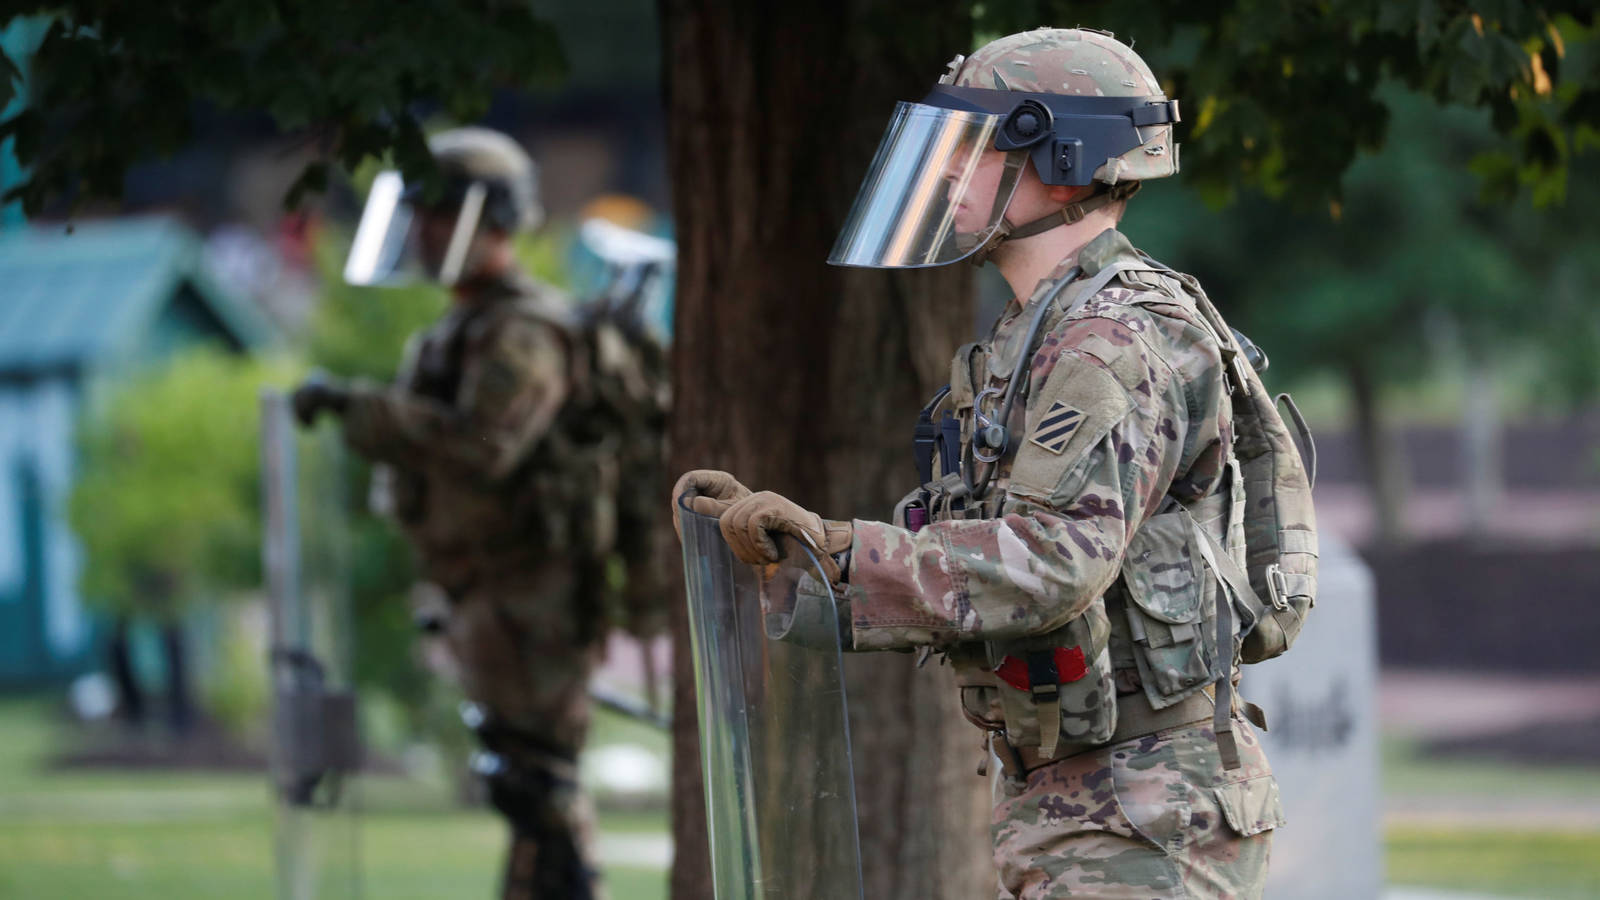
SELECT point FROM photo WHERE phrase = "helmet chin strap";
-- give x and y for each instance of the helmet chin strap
(1070, 214)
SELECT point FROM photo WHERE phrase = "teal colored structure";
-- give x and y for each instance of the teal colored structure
(80, 309)
(19, 38)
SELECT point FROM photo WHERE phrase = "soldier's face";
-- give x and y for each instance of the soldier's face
(970, 187)
(434, 230)
(974, 204)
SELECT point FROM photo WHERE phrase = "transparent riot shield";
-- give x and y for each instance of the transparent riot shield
(314, 745)
(774, 739)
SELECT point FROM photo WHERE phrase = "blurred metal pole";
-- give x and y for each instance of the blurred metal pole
(314, 745)
(280, 544)
(1480, 429)
(280, 563)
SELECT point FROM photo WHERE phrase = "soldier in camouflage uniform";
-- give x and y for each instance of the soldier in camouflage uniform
(478, 477)
(1060, 555)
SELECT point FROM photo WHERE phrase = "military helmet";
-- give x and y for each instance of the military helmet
(485, 180)
(1082, 62)
(1078, 104)
(468, 156)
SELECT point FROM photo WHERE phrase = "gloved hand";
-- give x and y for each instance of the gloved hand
(749, 525)
(317, 393)
(708, 492)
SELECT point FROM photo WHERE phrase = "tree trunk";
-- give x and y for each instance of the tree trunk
(130, 697)
(806, 379)
(1382, 455)
(180, 699)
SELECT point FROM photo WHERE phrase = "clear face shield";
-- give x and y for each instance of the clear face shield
(935, 192)
(398, 240)
(948, 166)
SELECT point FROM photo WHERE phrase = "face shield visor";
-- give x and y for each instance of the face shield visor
(400, 240)
(935, 191)
(947, 168)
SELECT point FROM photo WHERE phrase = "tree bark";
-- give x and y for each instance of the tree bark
(180, 699)
(806, 379)
(130, 697)
(1383, 456)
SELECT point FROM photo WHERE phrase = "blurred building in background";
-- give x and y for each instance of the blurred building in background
(81, 309)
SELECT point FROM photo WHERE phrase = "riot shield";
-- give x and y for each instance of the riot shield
(314, 747)
(774, 738)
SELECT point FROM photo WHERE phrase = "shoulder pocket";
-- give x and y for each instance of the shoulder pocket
(1077, 407)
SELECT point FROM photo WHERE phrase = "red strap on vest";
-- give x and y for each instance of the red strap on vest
(1070, 665)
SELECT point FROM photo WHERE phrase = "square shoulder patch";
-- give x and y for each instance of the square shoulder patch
(1056, 427)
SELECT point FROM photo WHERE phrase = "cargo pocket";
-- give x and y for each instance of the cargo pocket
(980, 701)
(1251, 806)
(1086, 702)
(1170, 616)
(980, 698)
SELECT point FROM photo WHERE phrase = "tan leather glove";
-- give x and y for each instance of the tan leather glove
(708, 492)
(748, 524)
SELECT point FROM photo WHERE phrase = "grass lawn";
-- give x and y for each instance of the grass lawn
(1483, 854)
(172, 836)
(1539, 865)
(1406, 771)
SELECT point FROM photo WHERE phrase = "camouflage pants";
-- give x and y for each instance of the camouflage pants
(1153, 818)
(525, 658)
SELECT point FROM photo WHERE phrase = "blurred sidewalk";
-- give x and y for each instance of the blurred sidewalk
(1552, 515)
(1432, 894)
(1431, 705)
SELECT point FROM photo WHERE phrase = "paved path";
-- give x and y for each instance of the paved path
(644, 851)
(1427, 704)
(1432, 894)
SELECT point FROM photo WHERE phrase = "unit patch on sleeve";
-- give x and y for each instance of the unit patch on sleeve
(1056, 427)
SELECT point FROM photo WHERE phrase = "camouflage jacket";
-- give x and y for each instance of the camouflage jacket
(474, 396)
(1127, 407)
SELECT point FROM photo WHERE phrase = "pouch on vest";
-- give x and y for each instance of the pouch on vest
(1046, 690)
(1171, 610)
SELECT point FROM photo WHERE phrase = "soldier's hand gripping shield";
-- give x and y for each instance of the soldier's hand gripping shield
(774, 738)
(314, 747)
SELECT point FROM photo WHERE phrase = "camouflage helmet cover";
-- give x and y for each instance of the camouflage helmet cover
(494, 159)
(1080, 106)
(484, 180)
(1076, 62)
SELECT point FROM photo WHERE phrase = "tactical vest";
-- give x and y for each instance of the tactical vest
(598, 476)
(1182, 612)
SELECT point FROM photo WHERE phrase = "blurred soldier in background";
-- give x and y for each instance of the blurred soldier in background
(498, 460)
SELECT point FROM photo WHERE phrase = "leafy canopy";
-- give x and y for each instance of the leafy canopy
(1283, 96)
(1279, 95)
(1416, 257)
(167, 500)
(114, 82)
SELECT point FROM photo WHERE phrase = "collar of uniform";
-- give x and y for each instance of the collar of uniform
(508, 284)
(1102, 250)
(1009, 333)
(1106, 248)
